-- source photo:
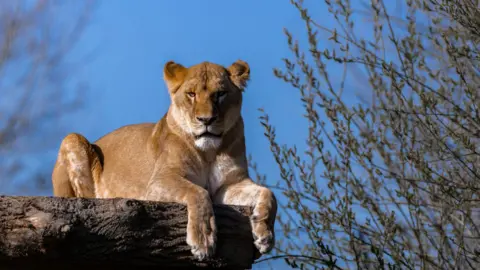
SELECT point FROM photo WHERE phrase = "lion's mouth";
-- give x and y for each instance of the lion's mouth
(208, 135)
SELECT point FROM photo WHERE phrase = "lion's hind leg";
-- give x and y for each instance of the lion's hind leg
(76, 165)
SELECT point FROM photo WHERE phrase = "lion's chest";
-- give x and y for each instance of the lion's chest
(214, 175)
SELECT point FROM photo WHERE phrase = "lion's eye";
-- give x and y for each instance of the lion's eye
(191, 94)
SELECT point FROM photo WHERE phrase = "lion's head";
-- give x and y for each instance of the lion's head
(206, 99)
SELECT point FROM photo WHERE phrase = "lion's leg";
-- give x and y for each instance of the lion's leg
(264, 203)
(169, 186)
(76, 164)
(61, 182)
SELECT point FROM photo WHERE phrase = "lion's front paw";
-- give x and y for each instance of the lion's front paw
(262, 229)
(201, 233)
(264, 239)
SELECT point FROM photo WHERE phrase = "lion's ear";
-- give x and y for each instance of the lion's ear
(239, 73)
(174, 74)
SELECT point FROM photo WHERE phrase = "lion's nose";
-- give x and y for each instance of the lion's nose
(207, 120)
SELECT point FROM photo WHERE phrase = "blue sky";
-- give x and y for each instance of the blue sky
(132, 40)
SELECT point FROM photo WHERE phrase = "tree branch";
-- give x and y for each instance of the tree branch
(75, 233)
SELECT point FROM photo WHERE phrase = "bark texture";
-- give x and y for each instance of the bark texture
(78, 233)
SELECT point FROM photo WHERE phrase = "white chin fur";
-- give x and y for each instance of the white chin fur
(208, 143)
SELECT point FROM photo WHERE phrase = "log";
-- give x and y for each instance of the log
(79, 233)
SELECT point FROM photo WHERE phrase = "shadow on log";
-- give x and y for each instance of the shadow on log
(78, 233)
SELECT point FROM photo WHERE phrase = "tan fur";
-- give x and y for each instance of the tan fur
(166, 161)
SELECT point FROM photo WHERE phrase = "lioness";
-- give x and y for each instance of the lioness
(194, 155)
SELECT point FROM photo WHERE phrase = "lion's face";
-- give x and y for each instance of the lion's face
(206, 99)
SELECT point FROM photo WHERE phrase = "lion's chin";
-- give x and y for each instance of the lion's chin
(208, 142)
